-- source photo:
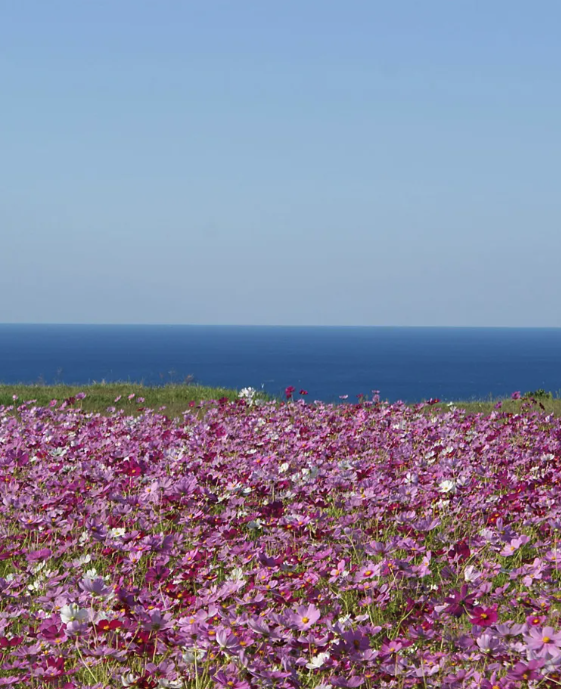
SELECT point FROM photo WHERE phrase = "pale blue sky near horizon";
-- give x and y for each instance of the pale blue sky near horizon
(304, 162)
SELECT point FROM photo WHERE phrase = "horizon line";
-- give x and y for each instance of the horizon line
(283, 325)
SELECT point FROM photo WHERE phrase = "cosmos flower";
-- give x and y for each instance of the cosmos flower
(130, 541)
(447, 486)
(73, 613)
(483, 617)
(304, 617)
(542, 641)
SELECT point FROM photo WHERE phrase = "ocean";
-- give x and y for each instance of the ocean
(409, 364)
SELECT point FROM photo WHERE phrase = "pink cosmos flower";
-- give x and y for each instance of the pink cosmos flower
(229, 681)
(304, 617)
(227, 641)
(543, 641)
(157, 574)
(366, 572)
(355, 641)
(495, 683)
(259, 626)
(97, 587)
(156, 621)
(526, 671)
(489, 643)
(512, 547)
(391, 648)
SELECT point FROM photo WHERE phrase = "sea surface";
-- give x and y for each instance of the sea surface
(409, 364)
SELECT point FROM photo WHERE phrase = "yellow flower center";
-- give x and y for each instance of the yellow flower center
(368, 573)
(305, 620)
(546, 639)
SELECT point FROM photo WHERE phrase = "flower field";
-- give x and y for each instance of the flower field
(284, 545)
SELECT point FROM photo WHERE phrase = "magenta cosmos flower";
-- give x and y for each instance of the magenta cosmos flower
(484, 617)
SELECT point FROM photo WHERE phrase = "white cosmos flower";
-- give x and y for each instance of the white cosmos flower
(73, 613)
(447, 487)
(248, 394)
(191, 654)
(170, 683)
(317, 661)
(470, 573)
(38, 567)
(129, 679)
(82, 560)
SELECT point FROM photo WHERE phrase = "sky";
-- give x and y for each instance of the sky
(294, 162)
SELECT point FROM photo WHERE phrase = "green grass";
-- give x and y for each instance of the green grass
(99, 396)
(531, 401)
(177, 396)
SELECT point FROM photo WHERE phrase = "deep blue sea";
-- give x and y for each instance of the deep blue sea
(409, 364)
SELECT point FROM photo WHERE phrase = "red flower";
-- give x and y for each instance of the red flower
(303, 392)
(483, 617)
(104, 626)
(289, 391)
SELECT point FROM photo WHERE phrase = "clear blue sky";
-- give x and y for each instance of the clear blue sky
(281, 162)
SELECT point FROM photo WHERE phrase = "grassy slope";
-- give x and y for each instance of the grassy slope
(99, 397)
(176, 397)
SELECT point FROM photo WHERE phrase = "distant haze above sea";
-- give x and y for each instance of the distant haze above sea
(408, 364)
(289, 162)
